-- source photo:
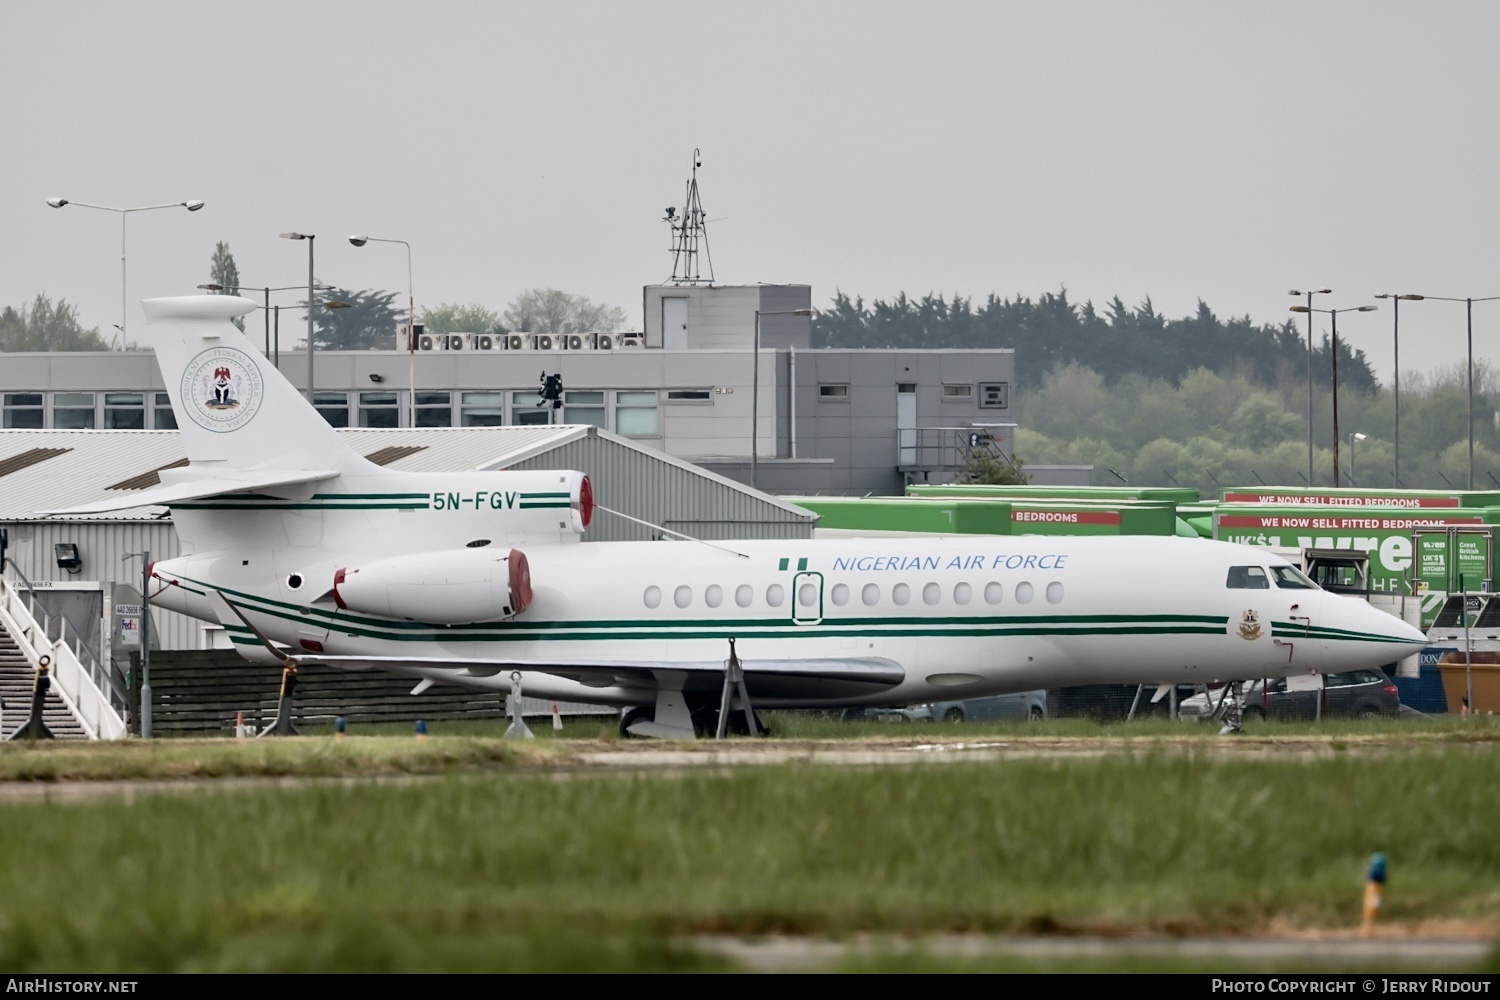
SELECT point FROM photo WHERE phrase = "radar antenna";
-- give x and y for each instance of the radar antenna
(689, 230)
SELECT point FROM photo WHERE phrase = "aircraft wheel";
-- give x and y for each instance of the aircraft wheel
(1037, 714)
(640, 713)
(1254, 713)
(953, 715)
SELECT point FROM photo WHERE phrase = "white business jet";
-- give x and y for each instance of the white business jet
(307, 552)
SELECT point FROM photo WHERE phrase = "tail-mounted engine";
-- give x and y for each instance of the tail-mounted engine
(452, 588)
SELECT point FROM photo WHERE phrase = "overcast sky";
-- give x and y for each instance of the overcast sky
(1225, 151)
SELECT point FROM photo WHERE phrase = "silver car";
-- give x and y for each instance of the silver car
(1021, 706)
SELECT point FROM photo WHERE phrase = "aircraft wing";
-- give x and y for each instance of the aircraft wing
(220, 484)
(780, 678)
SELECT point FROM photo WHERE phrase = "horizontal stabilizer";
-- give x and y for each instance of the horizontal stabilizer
(222, 484)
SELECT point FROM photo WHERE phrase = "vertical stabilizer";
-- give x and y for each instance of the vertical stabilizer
(233, 406)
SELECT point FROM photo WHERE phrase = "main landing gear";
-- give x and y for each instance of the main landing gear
(672, 717)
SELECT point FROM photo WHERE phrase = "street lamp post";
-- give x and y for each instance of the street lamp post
(1334, 315)
(192, 205)
(1469, 307)
(1353, 437)
(755, 385)
(309, 237)
(1309, 309)
(411, 316)
(236, 289)
(1396, 301)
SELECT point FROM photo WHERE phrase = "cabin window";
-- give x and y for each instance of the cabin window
(653, 597)
(1023, 593)
(1292, 578)
(682, 596)
(73, 411)
(713, 596)
(163, 419)
(635, 413)
(931, 594)
(23, 410)
(901, 593)
(379, 409)
(125, 411)
(807, 595)
(1248, 578)
(775, 594)
(434, 409)
(962, 593)
(993, 592)
(1054, 592)
(870, 595)
(332, 407)
(743, 595)
(840, 594)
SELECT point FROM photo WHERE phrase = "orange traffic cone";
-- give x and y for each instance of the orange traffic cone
(240, 732)
(556, 718)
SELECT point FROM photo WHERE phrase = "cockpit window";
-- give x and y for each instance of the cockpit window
(1292, 578)
(1248, 578)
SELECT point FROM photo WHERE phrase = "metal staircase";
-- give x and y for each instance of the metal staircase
(17, 680)
(76, 703)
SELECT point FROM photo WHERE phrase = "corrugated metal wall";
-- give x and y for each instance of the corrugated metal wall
(646, 487)
(102, 546)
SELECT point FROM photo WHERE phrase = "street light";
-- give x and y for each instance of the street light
(309, 237)
(755, 385)
(411, 344)
(1396, 301)
(192, 205)
(1353, 437)
(236, 289)
(1309, 294)
(1469, 306)
(1334, 313)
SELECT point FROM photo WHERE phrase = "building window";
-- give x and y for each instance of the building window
(524, 408)
(833, 392)
(162, 417)
(583, 407)
(434, 409)
(379, 409)
(635, 413)
(334, 407)
(73, 411)
(958, 393)
(994, 395)
(125, 411)
(481, 409)
(690, 395)
(23, 410)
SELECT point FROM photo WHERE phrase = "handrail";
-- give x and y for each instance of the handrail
(72, 680)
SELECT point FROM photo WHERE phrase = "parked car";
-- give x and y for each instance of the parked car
(1361, 694)
(1021, 706)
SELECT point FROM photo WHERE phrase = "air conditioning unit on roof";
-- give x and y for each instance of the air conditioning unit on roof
(517, 341)
(630, 340)
(574, 342)
(544, 342)
(483, 341)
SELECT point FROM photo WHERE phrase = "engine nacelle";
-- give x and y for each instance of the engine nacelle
(451, 588)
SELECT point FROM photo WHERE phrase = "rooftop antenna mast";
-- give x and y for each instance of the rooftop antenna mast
(689, 231)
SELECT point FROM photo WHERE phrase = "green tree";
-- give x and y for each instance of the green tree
(223, 272)
(45, 327)
(369, 321)
(548, 310)
(471, 318)
(986, 468)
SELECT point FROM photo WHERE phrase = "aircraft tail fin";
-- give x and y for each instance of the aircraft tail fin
(234, 409)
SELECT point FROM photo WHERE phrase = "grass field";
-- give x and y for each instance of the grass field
(521, 856)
